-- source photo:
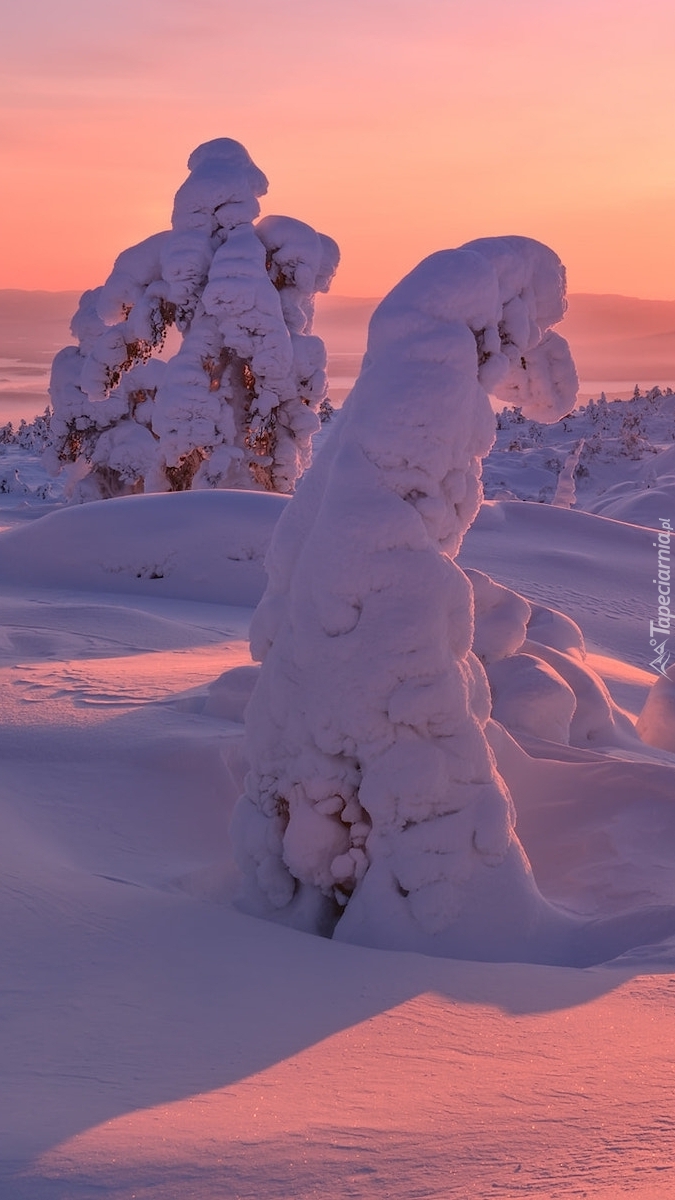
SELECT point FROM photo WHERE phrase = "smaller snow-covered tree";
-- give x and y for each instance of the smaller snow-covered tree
(236, 405)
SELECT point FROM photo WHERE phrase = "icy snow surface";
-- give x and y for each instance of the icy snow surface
(160, 1044)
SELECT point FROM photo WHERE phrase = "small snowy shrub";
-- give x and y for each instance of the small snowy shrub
(236, 404)
(10, 482)
(33, 435)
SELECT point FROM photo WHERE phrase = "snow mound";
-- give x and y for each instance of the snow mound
(597, 720)
(638, 506)
(599, 831)
(656, 723)
(500, 618)
(189, 545)
(540, 685)
(555, 629)
(529, 696)
(229, 694)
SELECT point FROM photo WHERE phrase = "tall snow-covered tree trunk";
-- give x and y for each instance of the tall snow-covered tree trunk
(236, 405)
(373, 807)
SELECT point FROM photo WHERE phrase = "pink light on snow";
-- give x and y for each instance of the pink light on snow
(437, 1096)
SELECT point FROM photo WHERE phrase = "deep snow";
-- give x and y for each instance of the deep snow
(161, 1044)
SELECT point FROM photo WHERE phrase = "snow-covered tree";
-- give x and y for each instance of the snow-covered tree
(236, 404)
(373, 808)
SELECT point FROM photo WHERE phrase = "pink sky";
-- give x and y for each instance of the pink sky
(397, 126)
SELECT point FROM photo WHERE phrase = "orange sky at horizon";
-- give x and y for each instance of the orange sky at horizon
(397, 126)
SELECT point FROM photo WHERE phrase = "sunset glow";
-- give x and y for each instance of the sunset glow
(398, 128)
(434, 1050)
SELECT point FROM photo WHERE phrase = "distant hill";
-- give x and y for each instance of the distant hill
(34, 325)
(620, 337)
(593, 317)
(613, 338)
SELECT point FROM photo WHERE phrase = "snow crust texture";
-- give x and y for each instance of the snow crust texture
(148, 1028)
(373, 808)
(235, 404)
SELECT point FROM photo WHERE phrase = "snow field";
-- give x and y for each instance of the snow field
(161, 1043)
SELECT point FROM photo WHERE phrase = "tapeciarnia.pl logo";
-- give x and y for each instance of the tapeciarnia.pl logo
(662, 623)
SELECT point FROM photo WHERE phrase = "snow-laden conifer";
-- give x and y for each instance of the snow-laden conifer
(236, 404)
(373, 806)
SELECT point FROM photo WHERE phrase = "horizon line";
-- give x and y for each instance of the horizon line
(350, 297)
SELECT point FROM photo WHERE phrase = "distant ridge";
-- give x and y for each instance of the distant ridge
(34, 325)
(615, 338)
(621, 337)
(16, 302)
(591, 315)
(612, 337)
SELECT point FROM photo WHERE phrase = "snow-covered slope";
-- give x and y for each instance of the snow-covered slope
(612, 457)
(205, 544)
(160, 1044)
